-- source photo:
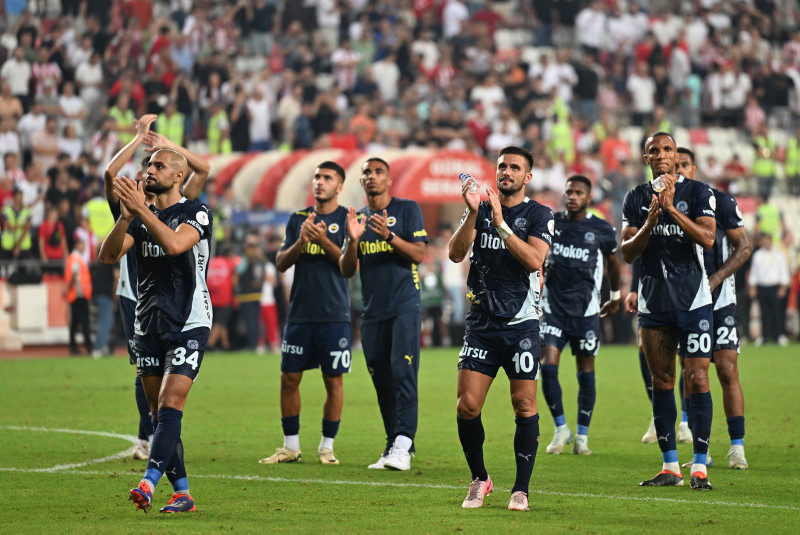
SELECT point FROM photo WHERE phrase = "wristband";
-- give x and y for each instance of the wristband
(504, 230)
(614, 295)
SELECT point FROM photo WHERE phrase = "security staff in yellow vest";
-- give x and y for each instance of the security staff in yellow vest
(101, 220)
(15, 241)
(123, 118)
(219, 131)
(170, 123)
(792, 164)
(769, 220)
(765, 167)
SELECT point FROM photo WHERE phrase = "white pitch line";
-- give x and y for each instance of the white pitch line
(435, 487)
(66, 467)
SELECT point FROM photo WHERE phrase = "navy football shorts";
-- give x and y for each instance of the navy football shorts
(726, 329)
(166, 353)
(694, 328)
(316, 345)
(490, 343)
(582, 333)
(127, 309)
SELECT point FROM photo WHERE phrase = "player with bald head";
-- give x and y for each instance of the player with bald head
(171, 240)
(127, 280)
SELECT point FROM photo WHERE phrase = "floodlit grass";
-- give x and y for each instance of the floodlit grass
(232, 419)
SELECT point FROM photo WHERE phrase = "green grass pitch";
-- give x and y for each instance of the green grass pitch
(65, 423)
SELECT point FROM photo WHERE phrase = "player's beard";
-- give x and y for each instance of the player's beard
(156, 189)
(510, 190)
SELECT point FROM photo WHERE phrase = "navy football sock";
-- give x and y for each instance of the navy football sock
(685, 402)
(587, 394)
(526, 441)
(648, 379)
(291, 425)
(176, 471)
(329, 428)
(702, 409)
(145, 418)
(736, 429)
(551, 389)
(472, 435)
(165, 440)
(664, 414)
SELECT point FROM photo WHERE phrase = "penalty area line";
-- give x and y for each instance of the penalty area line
(271, 479)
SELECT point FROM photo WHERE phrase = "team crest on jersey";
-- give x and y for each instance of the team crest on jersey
(682, 207)
(589, 236)
(521, 224)
(391, 221)
(525, 344)
(202, 218)
(192, 344)
(704, 325)
(370, 370)
(551, 226)
(334, 228)
(590, 335)
(729, 321)
(343, 342)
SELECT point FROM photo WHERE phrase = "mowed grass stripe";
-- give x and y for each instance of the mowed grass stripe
(270, 479)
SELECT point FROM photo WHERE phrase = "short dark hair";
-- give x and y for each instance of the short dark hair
(688, 152)
(519, 151)
(654, 135)
(582, 179)
(379, 160)
(333, 166)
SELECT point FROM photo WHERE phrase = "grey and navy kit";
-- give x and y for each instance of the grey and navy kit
(126, 289)
(673, 285)
(173, 313)
(317, 332)
(502, 328)
(729, 217)
(573, 278)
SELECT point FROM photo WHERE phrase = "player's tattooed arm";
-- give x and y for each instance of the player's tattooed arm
(740, 252)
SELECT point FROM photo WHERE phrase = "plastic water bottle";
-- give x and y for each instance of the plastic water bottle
(473, 184)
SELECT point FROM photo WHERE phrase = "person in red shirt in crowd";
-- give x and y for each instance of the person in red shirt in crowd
(221, 281)
(52, 238)
(732, 171)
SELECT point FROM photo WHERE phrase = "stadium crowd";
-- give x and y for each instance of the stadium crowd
(561, 78)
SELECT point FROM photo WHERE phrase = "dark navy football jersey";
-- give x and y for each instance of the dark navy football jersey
(390, 281)
(672, 274)
(728, 217)
(320, 293)
(126, 285)
(173, 296)
(573, 272)
(497, 282)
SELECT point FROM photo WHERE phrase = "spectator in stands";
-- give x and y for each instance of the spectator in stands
(30, 123)
(736, 87)
(124, 118)
(642, 89)
(90, 79)
(769, 282)
(258, 110)
(728, 178)
(10, 104)
(44, 144)
(52, 239)
(16, 71)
